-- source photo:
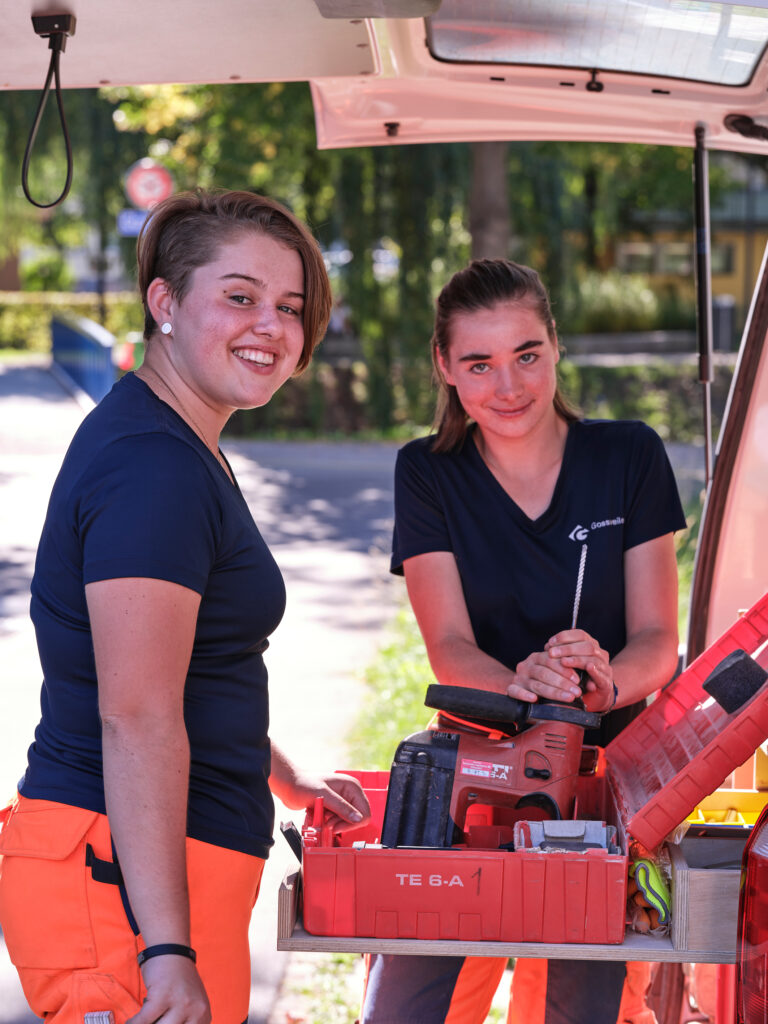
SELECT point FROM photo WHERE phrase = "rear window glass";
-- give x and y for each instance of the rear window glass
(706, 42)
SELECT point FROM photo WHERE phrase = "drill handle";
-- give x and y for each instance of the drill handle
(482, 705)
(504, 713)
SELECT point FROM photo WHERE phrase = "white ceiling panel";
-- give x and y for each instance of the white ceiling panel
(375, 81)
(157, 41)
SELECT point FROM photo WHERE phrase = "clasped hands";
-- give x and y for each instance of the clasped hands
(553, 672)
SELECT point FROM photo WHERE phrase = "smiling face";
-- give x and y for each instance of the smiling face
(237, 334)
(501, 360)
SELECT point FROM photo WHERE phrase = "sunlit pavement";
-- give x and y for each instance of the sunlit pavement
(325, 510)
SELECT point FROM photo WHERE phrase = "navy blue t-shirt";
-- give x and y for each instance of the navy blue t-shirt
(615, 490)
(140, 495)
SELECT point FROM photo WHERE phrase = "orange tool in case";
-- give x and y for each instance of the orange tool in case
(679, 750)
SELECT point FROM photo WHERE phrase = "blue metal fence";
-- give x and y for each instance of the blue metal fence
(83, 350)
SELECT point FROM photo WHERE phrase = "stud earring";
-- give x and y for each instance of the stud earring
(166, 328)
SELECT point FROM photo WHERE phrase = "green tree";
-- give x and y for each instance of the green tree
(100, 156)
(567, 204)
(410, 199)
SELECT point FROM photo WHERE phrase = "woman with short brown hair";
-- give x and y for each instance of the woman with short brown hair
(132, 857)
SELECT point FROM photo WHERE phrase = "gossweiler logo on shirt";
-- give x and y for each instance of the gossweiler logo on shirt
(580, 533)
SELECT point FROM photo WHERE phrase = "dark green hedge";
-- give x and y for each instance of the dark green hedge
(666, 395)
(25, 317)
(335, 400)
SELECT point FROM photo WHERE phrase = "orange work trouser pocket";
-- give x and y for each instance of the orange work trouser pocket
(44, 910)
(68, 933)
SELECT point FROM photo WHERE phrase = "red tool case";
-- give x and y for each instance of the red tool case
(675, 753)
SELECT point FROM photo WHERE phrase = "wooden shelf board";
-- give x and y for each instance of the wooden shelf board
(292, 937)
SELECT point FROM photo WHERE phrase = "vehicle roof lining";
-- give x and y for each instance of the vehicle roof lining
(374, 81)
(136, 42)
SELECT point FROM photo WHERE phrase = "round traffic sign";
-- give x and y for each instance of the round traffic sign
(147, 183)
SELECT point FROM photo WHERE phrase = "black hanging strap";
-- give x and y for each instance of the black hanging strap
(55, 28)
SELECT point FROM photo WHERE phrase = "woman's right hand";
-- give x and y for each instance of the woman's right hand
(541, 675)
(175, 993)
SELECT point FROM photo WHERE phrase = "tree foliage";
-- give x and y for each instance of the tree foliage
(101, 155)
(566, 203)
(409, 200)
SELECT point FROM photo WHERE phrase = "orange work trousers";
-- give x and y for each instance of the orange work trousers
(69, 937)
(528, 994)
(455, 990)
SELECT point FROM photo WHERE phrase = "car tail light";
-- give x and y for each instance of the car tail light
(752, 980)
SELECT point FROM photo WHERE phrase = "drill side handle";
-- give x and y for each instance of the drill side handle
(508, 713)
(478, 704)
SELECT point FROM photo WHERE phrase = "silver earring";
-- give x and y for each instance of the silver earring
(166, 328)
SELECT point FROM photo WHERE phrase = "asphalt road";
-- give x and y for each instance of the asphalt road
(326, 512)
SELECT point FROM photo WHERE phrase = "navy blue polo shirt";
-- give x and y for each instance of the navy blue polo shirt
(615, 490)
(140, 495)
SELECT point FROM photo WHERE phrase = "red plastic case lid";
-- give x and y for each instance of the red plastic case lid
(684, 745)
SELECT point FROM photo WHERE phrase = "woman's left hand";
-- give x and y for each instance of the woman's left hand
(576, 649)
(344, 801)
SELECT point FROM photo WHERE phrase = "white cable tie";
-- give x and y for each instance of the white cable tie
(579, 584)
